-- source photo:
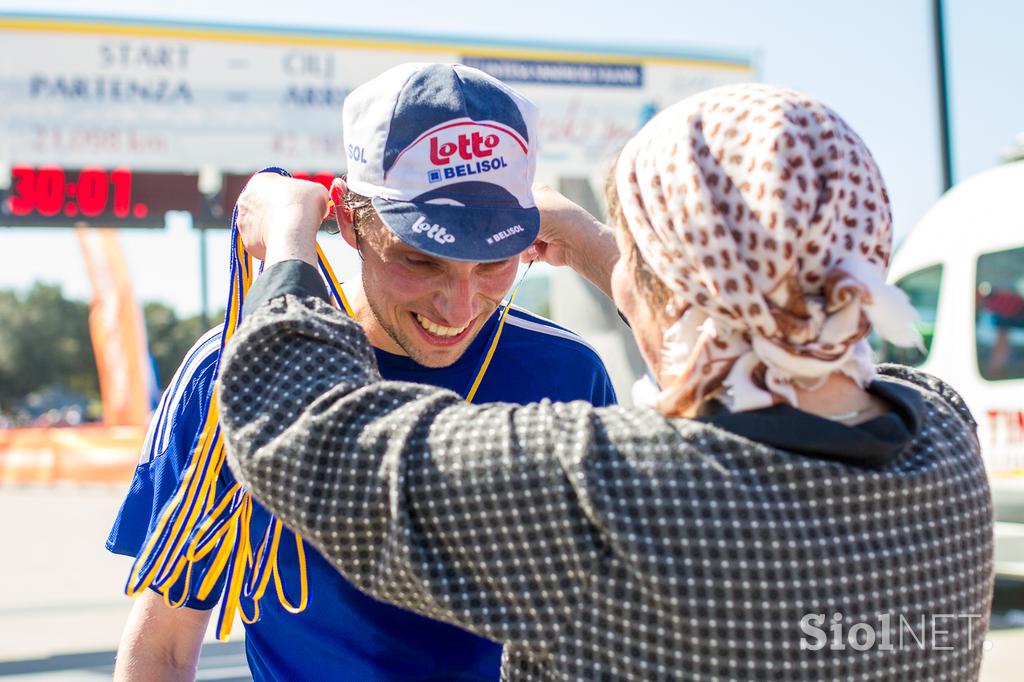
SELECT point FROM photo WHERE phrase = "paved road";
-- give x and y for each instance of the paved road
(62, 609)
(224, 661)
(61, 602)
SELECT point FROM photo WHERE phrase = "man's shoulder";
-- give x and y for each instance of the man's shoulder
(553, 360)
(523, 326)
(186, 393)
(199, 362)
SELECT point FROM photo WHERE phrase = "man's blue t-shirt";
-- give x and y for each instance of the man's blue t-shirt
(344, 634)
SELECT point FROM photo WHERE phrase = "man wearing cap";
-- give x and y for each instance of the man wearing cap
(440, 164)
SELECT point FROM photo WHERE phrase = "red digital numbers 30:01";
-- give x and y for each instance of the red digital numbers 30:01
(48, 192)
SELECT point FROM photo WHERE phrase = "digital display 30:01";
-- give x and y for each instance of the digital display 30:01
(120, 197)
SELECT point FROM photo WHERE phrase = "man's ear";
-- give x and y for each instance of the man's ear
(343, 213)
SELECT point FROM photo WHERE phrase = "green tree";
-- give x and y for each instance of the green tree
(44, 341)
(170, 337)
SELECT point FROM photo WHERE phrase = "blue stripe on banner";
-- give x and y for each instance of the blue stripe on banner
(560, 73)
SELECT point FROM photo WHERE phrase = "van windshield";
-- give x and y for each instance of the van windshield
(999, 314)
(922, 288)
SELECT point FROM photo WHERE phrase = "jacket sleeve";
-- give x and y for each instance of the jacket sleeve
(482, 516)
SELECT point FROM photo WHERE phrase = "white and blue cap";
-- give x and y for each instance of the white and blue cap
(447, 154)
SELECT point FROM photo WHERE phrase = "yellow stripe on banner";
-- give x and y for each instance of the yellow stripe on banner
(313, 39)
(1006, 473)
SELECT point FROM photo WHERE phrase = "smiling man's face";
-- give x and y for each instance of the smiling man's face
(429, 308)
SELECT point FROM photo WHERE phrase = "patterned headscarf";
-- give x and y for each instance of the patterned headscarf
(766, 218)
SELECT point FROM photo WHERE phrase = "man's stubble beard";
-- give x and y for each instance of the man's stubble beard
(397, 336)
(403, 340)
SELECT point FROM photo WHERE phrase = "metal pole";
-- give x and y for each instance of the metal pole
(204, 298)
(211, 183)
(943, 93)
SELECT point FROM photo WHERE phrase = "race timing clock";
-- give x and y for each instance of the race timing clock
(54, 196)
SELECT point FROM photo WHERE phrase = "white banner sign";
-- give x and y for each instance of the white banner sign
(180, 97)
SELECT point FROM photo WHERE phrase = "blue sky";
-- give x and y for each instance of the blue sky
(872, 61)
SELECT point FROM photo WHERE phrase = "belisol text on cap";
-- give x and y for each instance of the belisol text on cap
(504, 234)
(462, 170)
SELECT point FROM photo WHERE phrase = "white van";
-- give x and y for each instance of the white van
(963, 268)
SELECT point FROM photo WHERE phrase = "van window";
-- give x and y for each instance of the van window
(999, 314)
(922, 287)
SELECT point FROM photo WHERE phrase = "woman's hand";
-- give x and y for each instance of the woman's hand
(278, 217)
(571, 236)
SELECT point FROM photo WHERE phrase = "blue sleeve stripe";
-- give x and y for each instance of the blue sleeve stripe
(158, 437)
(539, 324)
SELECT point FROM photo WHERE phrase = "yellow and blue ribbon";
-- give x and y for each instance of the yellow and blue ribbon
(203, 533)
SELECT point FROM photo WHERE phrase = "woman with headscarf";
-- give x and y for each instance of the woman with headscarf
(785, 511)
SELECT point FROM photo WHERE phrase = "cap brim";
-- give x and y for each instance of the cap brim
(480, 234)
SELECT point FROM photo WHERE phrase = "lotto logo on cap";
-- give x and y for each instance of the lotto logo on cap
(447, 153)
(441, 155)
(463, 150)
